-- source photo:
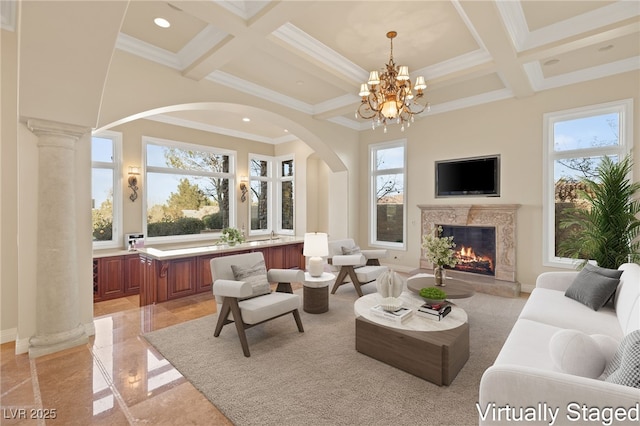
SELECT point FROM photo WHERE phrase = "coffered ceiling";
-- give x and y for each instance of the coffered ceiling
(311, 56)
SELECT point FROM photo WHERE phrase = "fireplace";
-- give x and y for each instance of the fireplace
(489, 230)
(475, 248)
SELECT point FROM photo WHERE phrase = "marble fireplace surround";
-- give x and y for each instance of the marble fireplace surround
(503, 218)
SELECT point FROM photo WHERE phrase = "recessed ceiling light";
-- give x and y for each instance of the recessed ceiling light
(605, 48)
(286, 130)
(246, 119)
(162, 23)
(551, 62)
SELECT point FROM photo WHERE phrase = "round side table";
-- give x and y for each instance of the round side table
(315, 296)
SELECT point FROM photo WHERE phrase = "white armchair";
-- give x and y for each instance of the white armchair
(244, 297)
(354, 265)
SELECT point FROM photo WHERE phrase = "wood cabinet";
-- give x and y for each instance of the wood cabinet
(116, 276)
(169, 279)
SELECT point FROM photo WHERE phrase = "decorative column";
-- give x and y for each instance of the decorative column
(58, 324)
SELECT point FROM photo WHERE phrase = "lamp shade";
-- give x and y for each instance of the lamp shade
(316, 244)
(420, 83)
(403, 73)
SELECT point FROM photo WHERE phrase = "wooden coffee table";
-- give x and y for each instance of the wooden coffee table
(432, 350)
(455, 288)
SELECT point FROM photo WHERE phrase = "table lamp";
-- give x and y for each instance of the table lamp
(316, 245)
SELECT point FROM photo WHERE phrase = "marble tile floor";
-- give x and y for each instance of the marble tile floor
(116, 379)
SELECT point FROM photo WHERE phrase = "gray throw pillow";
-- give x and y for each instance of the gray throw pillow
(624, 367)
(609, 273)
(351, 250)
(256, 275)
(591, 288)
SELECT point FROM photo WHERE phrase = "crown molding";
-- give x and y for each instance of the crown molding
(336, 103)
(244, 9)
(250, 88)
(523, 39)
(351, 124)
(148, 51)
(458, 7)
(459, 63)
(539, 82)
(303, 42)
(616, 12)
(206, 39)
(514, 21)
(196, 125)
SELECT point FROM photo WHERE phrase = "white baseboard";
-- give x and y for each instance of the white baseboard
(22, 346)
(8, 335)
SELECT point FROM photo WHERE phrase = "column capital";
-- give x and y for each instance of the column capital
(53, 128)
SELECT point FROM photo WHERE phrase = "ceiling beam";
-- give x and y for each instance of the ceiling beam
(486, 20)
(243, 35)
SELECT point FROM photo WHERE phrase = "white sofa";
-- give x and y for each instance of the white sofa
(524, 373)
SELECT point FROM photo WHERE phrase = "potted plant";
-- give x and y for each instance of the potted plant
(607, 231)
(433, 295)
(439, 251)
(231, 236)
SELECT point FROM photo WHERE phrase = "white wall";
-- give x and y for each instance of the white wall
(512, 128)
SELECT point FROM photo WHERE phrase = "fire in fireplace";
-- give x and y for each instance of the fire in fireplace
(475, 248)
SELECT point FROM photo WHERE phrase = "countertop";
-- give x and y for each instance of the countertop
(188, 250)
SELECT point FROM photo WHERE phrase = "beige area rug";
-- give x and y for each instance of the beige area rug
(318, 378)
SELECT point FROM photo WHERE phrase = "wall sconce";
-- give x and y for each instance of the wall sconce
(243, 188)
(134, 171)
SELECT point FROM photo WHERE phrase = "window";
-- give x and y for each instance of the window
(260, 183)
(106, 189)
(189, 190)
(271, 182)
(285, 196)
(387, 194)
(577, 140)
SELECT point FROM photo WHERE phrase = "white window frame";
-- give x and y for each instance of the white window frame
(279, 201)
(231, 175)
(117, 237)
(373, 211)
(274, 181)
(625, 110)
(271, 202)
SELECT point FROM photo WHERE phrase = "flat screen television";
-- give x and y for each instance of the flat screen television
(475, 176)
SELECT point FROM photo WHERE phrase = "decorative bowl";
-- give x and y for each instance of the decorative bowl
(391, 303)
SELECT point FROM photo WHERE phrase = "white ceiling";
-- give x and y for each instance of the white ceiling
(312, 55)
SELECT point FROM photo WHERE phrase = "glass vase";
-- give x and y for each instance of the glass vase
(440, 275)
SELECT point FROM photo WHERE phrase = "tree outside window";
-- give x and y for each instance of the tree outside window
(387, 212)
(578, 140)
(106, 191)
(187, 189)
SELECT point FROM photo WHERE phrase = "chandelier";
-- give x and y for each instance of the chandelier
(388, 97)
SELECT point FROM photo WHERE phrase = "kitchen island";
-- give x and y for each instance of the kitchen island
(173, 273)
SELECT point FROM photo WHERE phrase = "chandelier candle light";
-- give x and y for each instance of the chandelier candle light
(388, 96)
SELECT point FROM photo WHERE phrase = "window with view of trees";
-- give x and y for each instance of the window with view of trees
(188, 189)
(577, 140)
(106, 190)
(285, 189)
(271, 183)
(388, 181)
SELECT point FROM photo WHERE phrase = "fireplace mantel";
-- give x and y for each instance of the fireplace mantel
(501, 216)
